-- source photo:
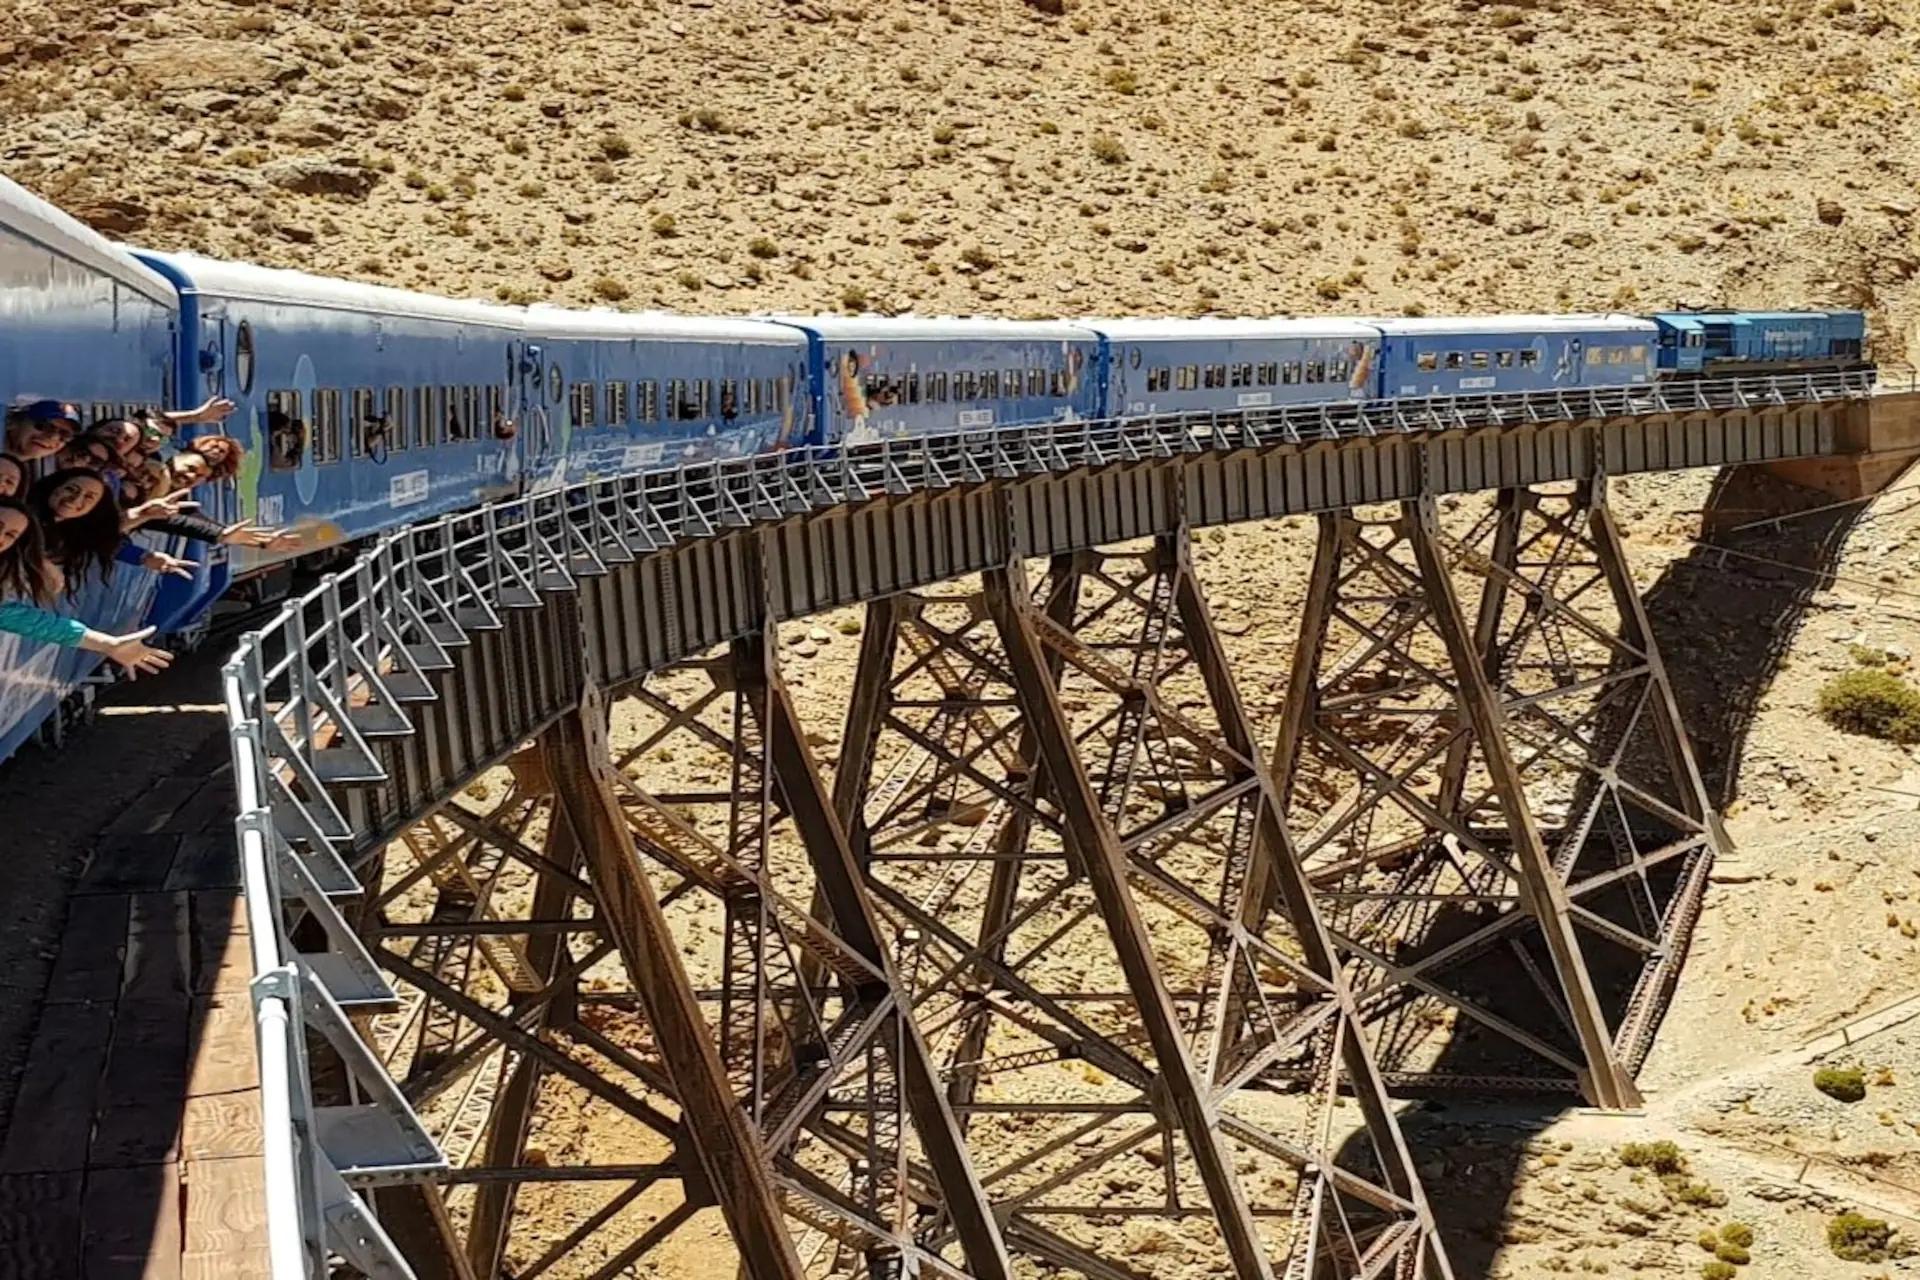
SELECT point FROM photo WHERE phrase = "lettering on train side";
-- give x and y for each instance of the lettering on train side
(1253, 399)
(407, 488)
(1477, 384)
(976, 417)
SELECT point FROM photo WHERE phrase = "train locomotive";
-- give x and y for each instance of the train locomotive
(364, 408)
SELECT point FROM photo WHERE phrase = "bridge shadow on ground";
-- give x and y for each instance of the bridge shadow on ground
(1725, 624)
(129, 1117)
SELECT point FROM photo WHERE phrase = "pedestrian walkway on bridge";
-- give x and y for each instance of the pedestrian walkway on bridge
(131, 1145)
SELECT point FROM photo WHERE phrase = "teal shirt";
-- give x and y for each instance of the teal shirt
(39, 624)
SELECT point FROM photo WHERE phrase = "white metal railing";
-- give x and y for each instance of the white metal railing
(309, 694)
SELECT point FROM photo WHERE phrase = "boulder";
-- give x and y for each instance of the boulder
(311, 177)
(197, 63)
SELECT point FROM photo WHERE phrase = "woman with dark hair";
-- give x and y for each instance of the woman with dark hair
(122, 436)
(88, 452)
(13, 476)
(28, 581)
(80, 517)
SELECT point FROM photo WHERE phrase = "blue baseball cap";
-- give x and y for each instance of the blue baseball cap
(49, 411)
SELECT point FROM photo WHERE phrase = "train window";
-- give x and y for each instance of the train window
(368, 432)
(990, 385)
(1337, 370)
(1529, 358)
(286, 431)
(1267, 375)
(496, 409)
(1011, 381)
(243, 357)
(913, 388)
(1504, 359)
(1481, 360)
(646, 400)
(556, 382)
(936, 388)
(1037, 378)
(1242, 375)
(729, 400)
(679, 405)
(1290, 373)
(1214, 375)
(1186, 377)
(326, 427)
(1133, 358)
(1639, 350)
(452, 427)
(1595, 355)
(770, 396)
(1159, 378)
(617, 404)
(396, 415)
(1456, 359)
(1427, 361)
(582, 404)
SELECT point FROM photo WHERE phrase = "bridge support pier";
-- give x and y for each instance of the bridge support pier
(1503, 817)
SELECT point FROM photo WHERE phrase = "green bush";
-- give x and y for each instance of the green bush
(1872, 701)
(1842, 1084)
(1735, 1253)
(1854, 1237)
(1708, 1241)
(1717, 1270)
(1661, 1157)
(1737, 1233)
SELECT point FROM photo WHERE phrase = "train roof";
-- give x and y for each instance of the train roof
(1174, 329)
(40, 222)
(246, 283)
(939, 328)
(1609, 321)
(603, 322)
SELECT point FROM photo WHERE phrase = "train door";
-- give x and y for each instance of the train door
(540, 389)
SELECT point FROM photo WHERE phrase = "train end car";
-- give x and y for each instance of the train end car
(1507, 354)
(361, 407)
(1734, 342)
(618, 391)
(1229, 365)
(85, 323)
(879, 378)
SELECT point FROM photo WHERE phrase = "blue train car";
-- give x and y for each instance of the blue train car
(1196, 366)
(83, 322)
(361, 407)
(875, 378)
(1759, 341)
(1496, 355)
(626, 391)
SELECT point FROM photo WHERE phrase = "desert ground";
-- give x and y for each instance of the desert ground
(1081, 157)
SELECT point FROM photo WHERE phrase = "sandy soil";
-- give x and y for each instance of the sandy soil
(1341, 156)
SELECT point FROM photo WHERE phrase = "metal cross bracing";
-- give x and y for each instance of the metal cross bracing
(1485, 768)
(1111, 948)
(365, 707)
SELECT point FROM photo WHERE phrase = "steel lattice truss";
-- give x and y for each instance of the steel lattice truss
(1035, 979)
(1486, 772)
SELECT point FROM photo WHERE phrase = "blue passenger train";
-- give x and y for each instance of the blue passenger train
(365, 407)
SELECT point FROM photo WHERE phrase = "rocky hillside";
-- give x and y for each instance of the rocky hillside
(1016, 156)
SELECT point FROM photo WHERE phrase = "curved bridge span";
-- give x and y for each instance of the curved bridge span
(1057, 967)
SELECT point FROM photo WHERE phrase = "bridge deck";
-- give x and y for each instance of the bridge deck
(132, 1147)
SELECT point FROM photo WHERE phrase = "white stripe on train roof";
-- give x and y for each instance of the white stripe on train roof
(1173, 328)
(938, 328)
(40, 222)
(1613, 321)
(604, 322)
(244, 282)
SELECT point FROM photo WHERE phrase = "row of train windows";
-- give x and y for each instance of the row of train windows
(674, 400)
(965, 386)
(377, 421)
(1193, 377)
(1526, 358)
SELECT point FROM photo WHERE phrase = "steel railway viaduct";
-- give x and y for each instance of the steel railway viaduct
(1061, 960)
